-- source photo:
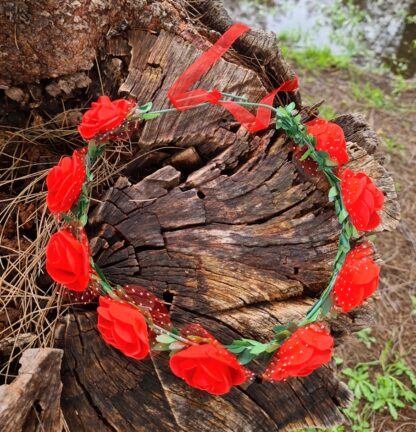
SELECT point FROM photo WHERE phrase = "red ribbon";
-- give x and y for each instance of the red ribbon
(183, 99)
(262, 118)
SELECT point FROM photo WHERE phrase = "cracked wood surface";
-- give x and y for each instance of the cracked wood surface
(236, 252)
(225, 226)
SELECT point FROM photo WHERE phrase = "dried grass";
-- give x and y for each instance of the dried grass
(22, 260)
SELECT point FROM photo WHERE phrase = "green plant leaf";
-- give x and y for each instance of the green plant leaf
(150, 116)
(246, 357)
(326, 306)
(333, 192)
(177, 345)
(83, 219)
(279, 328)
(146, 107)
(165, 339)
(258, 349)
(343, 215)
(160, 347)
(330, 163)
(305, 155)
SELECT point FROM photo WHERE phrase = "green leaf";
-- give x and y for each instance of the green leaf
(333, 192)
(235, 349)
(355, 233)
(305, 155)
(343, 215)
(290, 107)
(66, 217)
(326, 306)
(165, 339)
(150, 116)
(279, 328)
(330, 163)
(160, 347)
(146, 107)
(83, 219)
(258, 349)
(246, 357)
(378, 404)
(322, 154)
(177, 345)
(393, 411)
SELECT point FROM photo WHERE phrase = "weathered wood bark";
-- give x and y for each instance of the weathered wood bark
(222, 224)
(229, 230)
(239, 245)
(31, 401)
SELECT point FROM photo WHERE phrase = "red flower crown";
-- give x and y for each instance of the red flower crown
(136, 322)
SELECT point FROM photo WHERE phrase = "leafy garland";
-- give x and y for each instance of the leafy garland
(130, 317)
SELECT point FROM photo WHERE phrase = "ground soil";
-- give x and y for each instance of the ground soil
(396, 121)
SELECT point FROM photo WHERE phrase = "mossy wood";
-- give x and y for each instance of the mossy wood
(222, 224)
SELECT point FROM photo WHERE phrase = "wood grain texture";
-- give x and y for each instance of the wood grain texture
(105, 391)
(32, 401)
(238, 270)
(224, 226)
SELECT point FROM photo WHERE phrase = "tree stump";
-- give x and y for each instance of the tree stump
(222, 224)
(31, 401)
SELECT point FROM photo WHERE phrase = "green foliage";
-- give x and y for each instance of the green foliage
(345, 13)
(314, 58)
(365, 337)
(402, 85)
(327, 112)
(145, 114)
(370, 95)
(247, 349)
(392, 145)
(385, 384)
(346, 20)
(168, 342)
(294, 129)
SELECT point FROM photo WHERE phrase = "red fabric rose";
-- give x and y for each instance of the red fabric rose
(362, 199)
(358, 278)
(307, 349)
(329, 138)
(123, 327)
(64, 182)
(67, 260)
(209, 366)
(104, 116)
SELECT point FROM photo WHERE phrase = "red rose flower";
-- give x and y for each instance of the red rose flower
(362, 199)
(67, 260)
(104, 116)
(209, 367)
(307, 349)
(124, 327)
(329, 138)
(358, 278)
(64, 182)
(142, 297)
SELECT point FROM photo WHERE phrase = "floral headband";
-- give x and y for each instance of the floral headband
(135, 321)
